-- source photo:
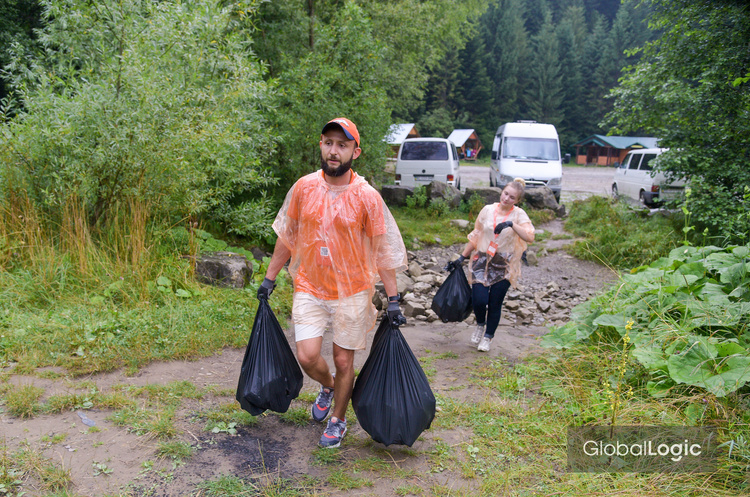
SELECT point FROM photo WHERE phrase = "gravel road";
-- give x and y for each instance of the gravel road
(578, 182)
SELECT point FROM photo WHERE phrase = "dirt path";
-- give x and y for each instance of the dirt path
(274, 446)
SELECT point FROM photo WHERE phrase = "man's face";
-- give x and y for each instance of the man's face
(337, 152)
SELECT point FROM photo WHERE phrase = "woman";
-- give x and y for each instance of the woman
(501, 233)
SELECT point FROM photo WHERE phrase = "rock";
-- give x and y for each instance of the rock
(512, 305)
(259, 254)
(426, 278)
(437, 190)
(415, 269)
(396, 195)
(413, 309)
(225, 269)
(461, 223)
(489, 194)
(532, 259)
(543, 306)
(431, 316)
(422, 288)
(541, 197)
(404, 283)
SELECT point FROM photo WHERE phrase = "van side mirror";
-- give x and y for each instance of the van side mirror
(566, 159)
(494, 154)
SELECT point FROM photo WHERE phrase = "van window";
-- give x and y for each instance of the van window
(646, 162)
(530, 148)
(634, 161)
(455, 152)
(419, 150)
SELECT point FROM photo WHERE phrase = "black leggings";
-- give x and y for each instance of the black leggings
(487, 302)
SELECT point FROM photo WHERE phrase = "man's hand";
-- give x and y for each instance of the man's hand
(454, 264)
(266, 288)
(500, 227)
(394, 312)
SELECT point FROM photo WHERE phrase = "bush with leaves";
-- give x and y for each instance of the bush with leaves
(692, 90)
(159, 101)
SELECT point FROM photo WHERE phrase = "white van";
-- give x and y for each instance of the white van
(423, 160)
(528, 150)
(635, 179)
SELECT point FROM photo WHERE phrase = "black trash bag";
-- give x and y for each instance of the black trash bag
(452, 302)
(392, 397)
(270, 377)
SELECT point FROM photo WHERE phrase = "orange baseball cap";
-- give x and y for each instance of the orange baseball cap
(348, 127)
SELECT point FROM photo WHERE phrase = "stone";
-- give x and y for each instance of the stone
(396, 195)
(438, 190)
(489, 194)
(415, 269)
(404, 283)
(224, 269)
(462, 224)
(422, 288)
(541, 197)
(543, 306)
(412, 309)
(532, 259)
(512, 305)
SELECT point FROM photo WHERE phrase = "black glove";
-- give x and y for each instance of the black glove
(266, 288)
(394, 312)
(500, 227)
(454, 264)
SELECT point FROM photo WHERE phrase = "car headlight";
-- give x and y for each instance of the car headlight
(554, 182)
(504, 180)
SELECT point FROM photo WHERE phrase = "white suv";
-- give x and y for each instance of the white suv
(636, 179)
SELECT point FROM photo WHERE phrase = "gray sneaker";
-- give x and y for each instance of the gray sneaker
(484, 345)
(322, 405)
(478, 334)
(333, 434)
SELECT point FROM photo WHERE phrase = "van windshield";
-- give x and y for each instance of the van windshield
(530, 148)
(424, 151)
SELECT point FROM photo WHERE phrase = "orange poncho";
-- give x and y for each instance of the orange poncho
(339, 236)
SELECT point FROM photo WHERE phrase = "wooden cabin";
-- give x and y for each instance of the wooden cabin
(601, 150)
(467, 143)
(397, 133)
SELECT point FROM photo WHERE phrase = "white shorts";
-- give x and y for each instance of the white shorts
(349, 318)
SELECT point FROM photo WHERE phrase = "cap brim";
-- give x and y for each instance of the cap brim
(331, 125)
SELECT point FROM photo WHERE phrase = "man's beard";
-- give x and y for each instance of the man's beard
(335, 172)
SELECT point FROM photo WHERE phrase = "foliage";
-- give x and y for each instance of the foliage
(18, 20)
(338, 77)
(619, 235)
(690, 90)
(157, 101)
(688, 316)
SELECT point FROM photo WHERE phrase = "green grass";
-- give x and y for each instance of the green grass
(617, 235)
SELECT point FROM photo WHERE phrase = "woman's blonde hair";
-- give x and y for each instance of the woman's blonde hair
(519, 185)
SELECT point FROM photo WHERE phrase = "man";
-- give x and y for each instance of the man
(341, 239)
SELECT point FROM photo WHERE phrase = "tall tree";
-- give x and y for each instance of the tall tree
(570, 41)
(692, 90)
(474, 98)
(508, 45)
(544, 95)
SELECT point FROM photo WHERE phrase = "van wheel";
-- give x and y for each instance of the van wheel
(615, 193)
(492, 180)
